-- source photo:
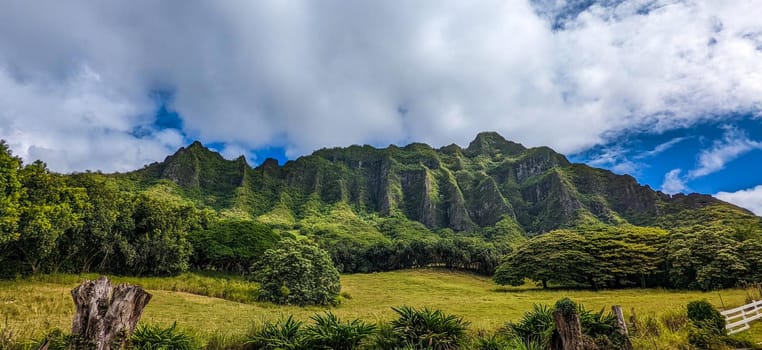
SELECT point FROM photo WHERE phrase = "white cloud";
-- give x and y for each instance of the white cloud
(749, 198)
(673, 183)
(79, 124)
(733, 144)
(660, 148)
(303, 75)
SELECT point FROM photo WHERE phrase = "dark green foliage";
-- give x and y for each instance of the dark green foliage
(466, 253)
(427, 329)
(152, 337)
(285, 334)
(705, 316)
(566, 307)
(328, 332)
(297, 272)
(231, 245)
(706, 257)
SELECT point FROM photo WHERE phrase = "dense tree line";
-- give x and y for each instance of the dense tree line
(700, 257)
(84, 223)
(465, 253)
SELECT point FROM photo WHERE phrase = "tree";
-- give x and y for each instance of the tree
(231, 245)
(160, 239)
(47, 209)
(107, 221)
(560, 256)
(297, 272)
(10, 192)
(703, 258)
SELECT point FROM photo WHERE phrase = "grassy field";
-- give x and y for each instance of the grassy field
(31, 306)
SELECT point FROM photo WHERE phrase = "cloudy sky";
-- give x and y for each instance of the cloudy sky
(669, 91)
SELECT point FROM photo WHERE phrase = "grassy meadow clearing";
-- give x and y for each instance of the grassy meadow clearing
(29, 307)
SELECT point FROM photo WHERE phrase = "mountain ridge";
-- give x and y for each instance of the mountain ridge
(492, 180)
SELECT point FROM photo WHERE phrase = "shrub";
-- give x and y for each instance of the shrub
(600, 325)
(329, 332)
(428, 329)
(520, 344)
(704, 315)
(704, 338)
(536, 326)
(489, 342)
(153, 337)
(675, 320)
(56, 340)
(297, 272)
(281, 335)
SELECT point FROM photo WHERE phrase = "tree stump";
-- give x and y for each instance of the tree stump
(622, 327)
(569, 330)
(106, 316)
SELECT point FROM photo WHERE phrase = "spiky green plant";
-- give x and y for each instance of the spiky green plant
(279, 335)
(329, 332)
(428, 329)
(536, 326)
(521, 344)
(489, 342)
(153, 337)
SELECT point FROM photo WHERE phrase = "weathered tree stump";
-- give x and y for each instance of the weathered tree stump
(622, 327)
(569, 330)
(106, 316)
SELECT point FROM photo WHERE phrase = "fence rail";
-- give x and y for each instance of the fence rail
(738, 319)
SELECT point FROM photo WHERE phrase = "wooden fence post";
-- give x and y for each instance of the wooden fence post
(622, 327)
(106, 316)
(569, 329)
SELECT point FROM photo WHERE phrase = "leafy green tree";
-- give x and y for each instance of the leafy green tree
(297, 272)
(48, 208)
(702, 258)
(231, 245)
(107, 223)
(10, 192)
(159, 242)
(559, 256)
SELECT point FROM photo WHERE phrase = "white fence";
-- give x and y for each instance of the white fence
(738, 319)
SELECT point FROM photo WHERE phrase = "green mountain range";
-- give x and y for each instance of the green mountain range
(493, 183)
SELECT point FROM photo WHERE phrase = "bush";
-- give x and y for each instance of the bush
(489, 342)
(675, 321)
(297, 272)
(705, 316)
(428, 329)
(281, 335)
(329, 332)
(536, 326)
(56, 340)
(153, 337)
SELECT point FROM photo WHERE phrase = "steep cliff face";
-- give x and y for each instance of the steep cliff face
(493, 180)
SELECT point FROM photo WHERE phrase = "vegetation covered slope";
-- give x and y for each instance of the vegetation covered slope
(491, 183)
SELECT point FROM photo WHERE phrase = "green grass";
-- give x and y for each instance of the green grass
(32, 306)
